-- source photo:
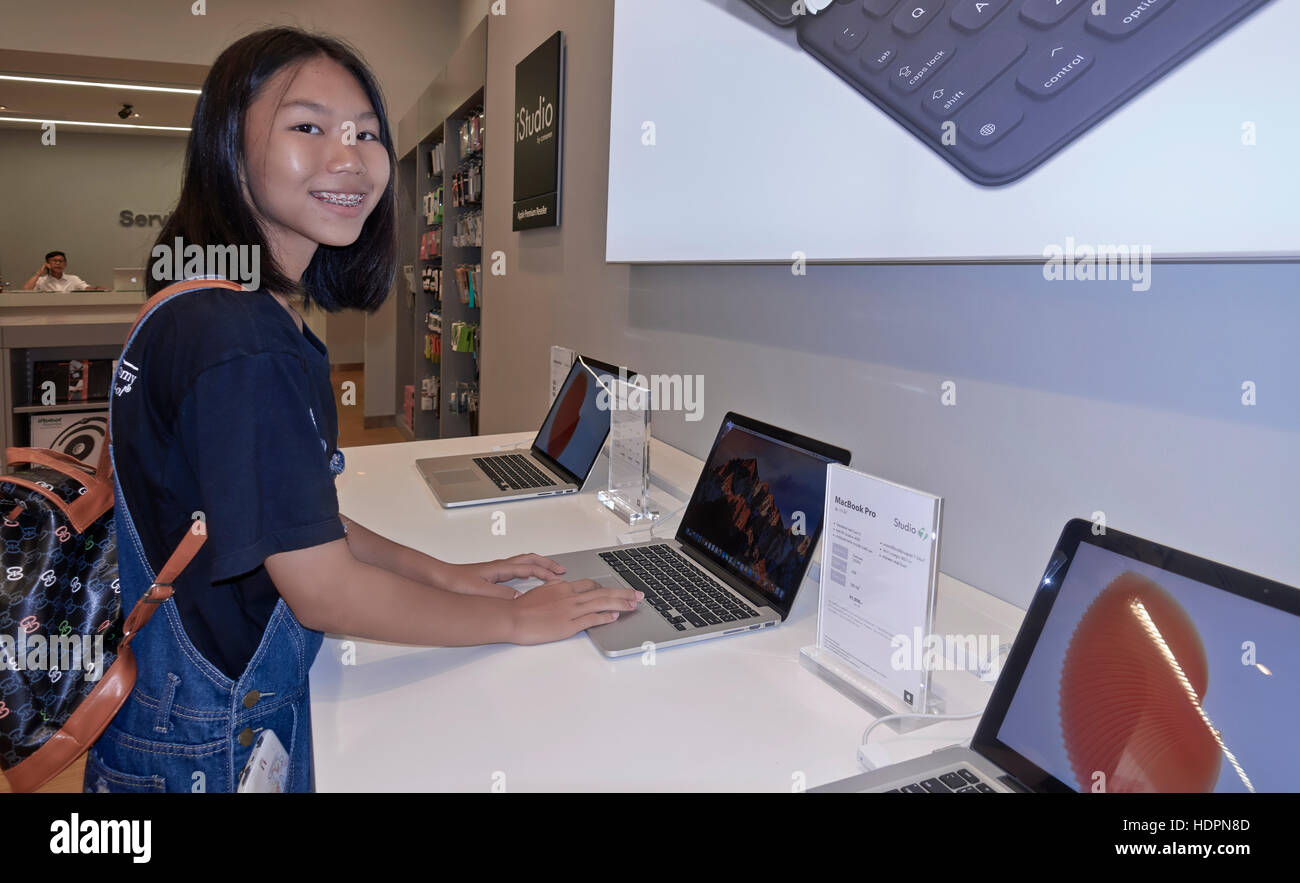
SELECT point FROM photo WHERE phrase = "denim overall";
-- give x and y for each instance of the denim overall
(187, 726)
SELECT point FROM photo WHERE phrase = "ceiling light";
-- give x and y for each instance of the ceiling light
(102, 85)
(85, 123)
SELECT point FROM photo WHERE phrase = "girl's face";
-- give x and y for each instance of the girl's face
(314, 165)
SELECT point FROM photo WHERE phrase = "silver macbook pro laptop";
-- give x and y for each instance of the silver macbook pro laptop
(741, 550)
(1137, 668)
(128, 279)
(559, 461)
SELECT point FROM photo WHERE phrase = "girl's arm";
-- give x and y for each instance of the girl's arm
(329, 590)
(470, 579)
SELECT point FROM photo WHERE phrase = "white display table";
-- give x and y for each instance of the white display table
(731, 714)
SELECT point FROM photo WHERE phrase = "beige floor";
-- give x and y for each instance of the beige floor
(352, 433)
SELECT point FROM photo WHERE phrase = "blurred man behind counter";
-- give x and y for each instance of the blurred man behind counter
(50, 277)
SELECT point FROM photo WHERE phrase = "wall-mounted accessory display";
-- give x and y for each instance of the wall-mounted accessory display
(467, 184)
(469, 279)
(446, 227)
(468, 232)
(431, 204)
(431, 281)
(464, 337)
(471, 133)
(539, 128)
(463, 399)
(429, 393)
(431, 245)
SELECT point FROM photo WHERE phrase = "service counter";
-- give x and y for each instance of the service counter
(51, 326)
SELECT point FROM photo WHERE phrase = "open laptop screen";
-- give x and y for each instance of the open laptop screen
(757, 508)
(1146, 679)
(576, 427)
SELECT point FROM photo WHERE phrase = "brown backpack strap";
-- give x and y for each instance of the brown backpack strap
(85, 509)
(105, 467)
(98, 709)
(161, 590)
(179, 288)
(56, 460)
(197, 535)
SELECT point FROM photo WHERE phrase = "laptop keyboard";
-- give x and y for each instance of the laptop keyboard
(678, 590)
(513, 472)
(957, 781)
(1019, 79)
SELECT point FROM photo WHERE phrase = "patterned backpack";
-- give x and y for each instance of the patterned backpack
(66, 664)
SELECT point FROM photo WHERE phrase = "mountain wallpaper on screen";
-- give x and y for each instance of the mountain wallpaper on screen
(742, 513)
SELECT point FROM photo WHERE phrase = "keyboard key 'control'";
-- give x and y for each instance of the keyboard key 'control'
(1053, 71)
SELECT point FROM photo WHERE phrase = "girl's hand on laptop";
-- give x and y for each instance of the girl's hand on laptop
(483, 578)
(558, 610)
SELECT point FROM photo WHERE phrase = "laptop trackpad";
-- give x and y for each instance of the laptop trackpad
(456, 476)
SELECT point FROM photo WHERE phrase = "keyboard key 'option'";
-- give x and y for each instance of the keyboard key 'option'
(1126, 16)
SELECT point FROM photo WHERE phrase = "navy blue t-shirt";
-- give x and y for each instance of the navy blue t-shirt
(230, 413)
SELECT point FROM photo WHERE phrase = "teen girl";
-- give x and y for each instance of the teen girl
(231, 418)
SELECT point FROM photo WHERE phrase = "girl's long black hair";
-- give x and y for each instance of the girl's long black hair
(212, 209)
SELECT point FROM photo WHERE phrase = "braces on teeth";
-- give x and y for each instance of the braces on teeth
(339, 200)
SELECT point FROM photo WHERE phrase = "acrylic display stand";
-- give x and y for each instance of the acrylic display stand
(866, 693)
(628, 493)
